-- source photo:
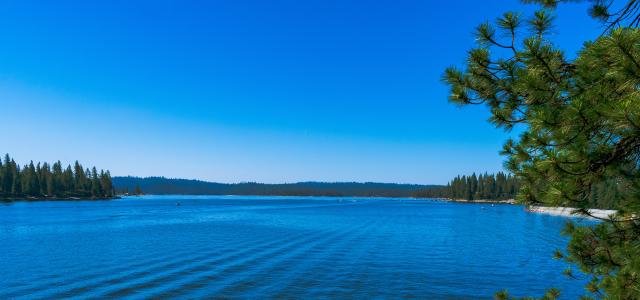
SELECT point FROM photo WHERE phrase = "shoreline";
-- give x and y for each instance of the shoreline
(595, 213)
(489, 201)
(33, 199)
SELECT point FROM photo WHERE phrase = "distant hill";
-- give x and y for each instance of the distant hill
(166, 186)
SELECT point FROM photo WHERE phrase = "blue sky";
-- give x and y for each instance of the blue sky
(239, 90)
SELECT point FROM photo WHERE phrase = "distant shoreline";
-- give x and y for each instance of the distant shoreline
(165, 186)
(12, 199)
(505, 201)
(29, 199)
(490, 201)
(276, 195)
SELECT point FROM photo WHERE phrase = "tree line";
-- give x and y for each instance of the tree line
(43, 180)
(161, 185)
(501, 186)
(485, 186)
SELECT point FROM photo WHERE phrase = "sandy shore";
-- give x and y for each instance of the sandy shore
(569, 212)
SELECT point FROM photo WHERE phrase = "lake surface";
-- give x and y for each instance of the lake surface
(277, 247)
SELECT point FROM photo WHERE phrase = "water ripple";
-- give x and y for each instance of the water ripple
(272, 247)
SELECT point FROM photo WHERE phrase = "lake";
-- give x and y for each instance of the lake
(277, 247)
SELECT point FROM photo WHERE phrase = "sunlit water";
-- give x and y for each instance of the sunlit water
(276, 247)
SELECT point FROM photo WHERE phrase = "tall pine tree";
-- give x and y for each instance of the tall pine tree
(44, 181)
(581, 128)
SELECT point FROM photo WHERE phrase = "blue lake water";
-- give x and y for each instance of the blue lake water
(277, 247)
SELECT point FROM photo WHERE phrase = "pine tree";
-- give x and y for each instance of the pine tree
(80, 178)
(7, 175)
(88, 185)
(41, 180)
(57, 179)
(2, 191)
(581, 133)
(16, 186)
(105, 182)
(46, 178)
(30, 182)
(68, 181)
(138, 190)
(95, 183)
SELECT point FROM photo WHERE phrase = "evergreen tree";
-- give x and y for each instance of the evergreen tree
(106, 183)
(30, 182)
(47, 180)
(41, 180)
(95, 183)
(7, 176)
(88, 185)
(138, 190)
(473, 187)
(68, 181)
(2, 192)
(16, 186)
(80, 177)
(581, 133)
(57, 179)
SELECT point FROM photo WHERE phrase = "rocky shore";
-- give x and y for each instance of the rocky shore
(494, 201)
(572, 212)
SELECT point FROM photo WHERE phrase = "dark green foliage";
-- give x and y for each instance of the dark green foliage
(580, 118)
(612, 13)
(138, 190)
(42, 181)
(550, 294)
(500, 186)
(503, 186)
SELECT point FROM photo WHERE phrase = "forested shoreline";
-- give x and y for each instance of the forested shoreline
(52, 181)
(502, 187)
(489, 187)
(165, 186)
(499, 186)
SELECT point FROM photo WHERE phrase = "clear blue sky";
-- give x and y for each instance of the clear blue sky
(238, 90)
